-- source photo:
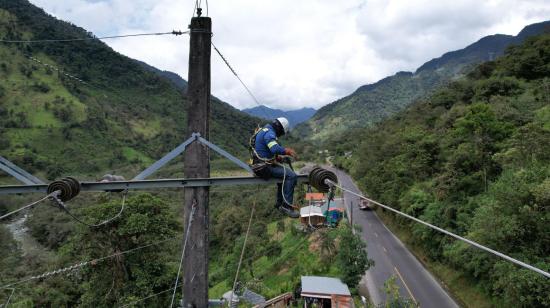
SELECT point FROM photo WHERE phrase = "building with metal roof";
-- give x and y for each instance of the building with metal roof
(325, 292)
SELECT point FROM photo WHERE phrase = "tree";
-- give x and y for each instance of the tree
(393, 298)
(146, 219)
(352, 257)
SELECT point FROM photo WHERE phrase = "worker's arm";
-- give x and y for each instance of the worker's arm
(275, 147)
(271, 141)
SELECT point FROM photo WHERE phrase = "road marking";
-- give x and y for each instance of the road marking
(376, 234)
(405, 284)
(384, 248)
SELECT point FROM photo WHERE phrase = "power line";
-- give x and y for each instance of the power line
(499, 254)
(188, 231)
(66, 210)
(150, 296)
(57, 69)
(53, 194)
(221, 270)
(242, 253)
(174, 32)
(240, 80)
(84, 263)
(9, 298)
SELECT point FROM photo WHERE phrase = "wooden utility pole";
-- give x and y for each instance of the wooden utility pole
(197, 165)
(351, 218)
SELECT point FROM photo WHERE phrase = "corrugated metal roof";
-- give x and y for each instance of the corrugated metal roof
(311, 211)
(324, 285)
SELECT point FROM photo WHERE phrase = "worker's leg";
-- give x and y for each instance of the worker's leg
(290, 179)
(279, 195)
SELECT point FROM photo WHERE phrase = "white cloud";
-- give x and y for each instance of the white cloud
(301, 53)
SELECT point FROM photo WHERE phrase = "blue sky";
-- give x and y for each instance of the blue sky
(306, 53)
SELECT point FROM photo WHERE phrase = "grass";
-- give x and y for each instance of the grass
(462, 289)
(280, 274)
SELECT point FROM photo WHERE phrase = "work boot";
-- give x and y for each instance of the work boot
(289, 211)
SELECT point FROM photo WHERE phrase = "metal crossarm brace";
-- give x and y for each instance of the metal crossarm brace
(163, 161)
(18, 173)
(149, 184)
(223, 153)
(177, 151)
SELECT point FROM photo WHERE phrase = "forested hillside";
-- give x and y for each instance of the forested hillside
(112, 112)
(374, 102)
(473, 158)
(115, 114)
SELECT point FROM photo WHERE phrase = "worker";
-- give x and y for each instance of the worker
(266, 163)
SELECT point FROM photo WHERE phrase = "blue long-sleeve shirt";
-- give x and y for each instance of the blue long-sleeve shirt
(266, 143)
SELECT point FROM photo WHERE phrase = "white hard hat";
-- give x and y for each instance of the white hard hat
(284, 124)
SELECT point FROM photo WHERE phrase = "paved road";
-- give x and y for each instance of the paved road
(392, 258)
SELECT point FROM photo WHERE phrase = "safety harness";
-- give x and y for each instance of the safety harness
(259, 164)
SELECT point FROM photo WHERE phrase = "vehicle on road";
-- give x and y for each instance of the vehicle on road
(365, 205)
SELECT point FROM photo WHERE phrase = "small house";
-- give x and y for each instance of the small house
(325, 292)
(312, 216)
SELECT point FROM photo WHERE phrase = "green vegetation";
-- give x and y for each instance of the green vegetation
(123, 116)
(277, 253)
(372, 103)
(473, 158)
(122, 113)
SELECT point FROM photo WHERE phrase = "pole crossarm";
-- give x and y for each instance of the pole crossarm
(151, 184)
(181, 148)
(18, 173)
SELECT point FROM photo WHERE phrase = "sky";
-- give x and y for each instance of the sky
(306, 53)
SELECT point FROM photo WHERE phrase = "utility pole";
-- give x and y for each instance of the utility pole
(351, 218)
(197, 164)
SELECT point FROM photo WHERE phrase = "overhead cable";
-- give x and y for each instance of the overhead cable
(242, 253)
(492, 251)
(187, 231)
(60, 71)
(221, 270)
(84, 263)
(66, 210)
(240, 80)
(52, 195)
(92, 38)
(150, 296)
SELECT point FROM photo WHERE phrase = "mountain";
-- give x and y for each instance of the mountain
(371, 103)
(473, 158)
(294, 116)
(61, 101)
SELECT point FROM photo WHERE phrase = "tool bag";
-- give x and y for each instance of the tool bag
(261, 170)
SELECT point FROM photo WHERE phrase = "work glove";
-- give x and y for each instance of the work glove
(290, 152)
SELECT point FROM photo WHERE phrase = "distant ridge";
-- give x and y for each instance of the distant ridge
(373, 102)
(294, 116)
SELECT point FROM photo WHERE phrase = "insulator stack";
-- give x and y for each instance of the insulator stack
(318, 177)
(68, 188)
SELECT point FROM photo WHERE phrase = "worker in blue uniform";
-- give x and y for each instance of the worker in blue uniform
(265, 150)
